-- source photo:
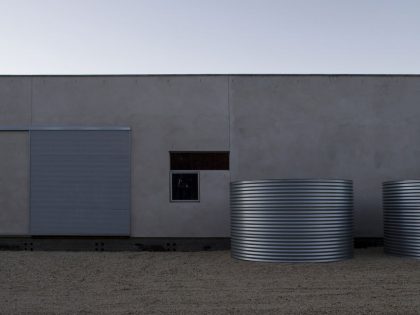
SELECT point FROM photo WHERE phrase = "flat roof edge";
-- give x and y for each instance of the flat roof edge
(30, 128)
(216, 75)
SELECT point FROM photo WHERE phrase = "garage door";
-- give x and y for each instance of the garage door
(80, 182)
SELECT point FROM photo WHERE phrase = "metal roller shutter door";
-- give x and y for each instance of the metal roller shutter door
(80, 182)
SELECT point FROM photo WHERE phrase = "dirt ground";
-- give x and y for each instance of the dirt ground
(204, 282)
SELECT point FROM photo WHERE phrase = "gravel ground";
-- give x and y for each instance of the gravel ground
(204, 282)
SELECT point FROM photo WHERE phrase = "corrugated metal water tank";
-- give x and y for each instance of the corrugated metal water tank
(290, 220)
(401, 202)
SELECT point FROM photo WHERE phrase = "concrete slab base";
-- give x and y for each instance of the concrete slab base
(134, 243)
(112, 244)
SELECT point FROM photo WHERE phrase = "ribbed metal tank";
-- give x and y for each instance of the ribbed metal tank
(288, 220)
(401, 202)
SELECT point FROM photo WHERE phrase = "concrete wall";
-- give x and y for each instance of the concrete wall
(185, 113)
(15, 109)
(15, 100)
(14, 183)
(363, 128)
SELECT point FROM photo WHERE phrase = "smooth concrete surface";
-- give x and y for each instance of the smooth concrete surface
(14, 183)
(212, 212)
(15, 101)
(363, 128)
(182, 113)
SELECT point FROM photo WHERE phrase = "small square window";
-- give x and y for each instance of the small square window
(184, 186)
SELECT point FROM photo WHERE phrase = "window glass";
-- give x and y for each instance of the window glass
(185, 186)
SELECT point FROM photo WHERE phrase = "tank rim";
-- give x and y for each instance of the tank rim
(308, 180)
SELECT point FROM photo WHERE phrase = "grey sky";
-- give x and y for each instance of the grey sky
(213, 36)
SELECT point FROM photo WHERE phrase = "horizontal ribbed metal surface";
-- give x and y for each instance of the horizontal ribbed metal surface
(401, 201)
(292, 220)
(80, 182)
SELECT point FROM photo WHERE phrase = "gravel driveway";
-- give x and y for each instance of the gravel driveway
(204, 282)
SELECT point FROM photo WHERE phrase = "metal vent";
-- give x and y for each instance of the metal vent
(292, 220)
(401, 201)
(80, 182)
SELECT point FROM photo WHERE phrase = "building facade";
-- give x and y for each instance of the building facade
(186, 138)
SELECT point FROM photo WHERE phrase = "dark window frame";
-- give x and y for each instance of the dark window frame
(199, 160)
(171, 187)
